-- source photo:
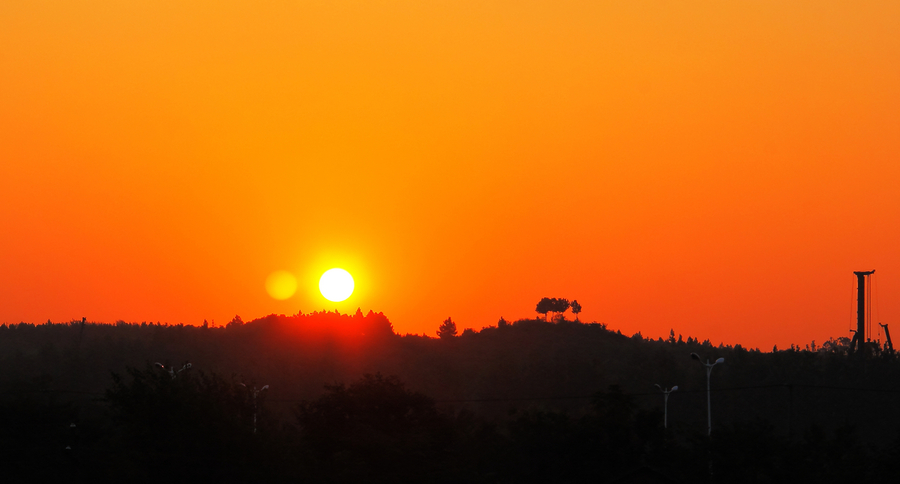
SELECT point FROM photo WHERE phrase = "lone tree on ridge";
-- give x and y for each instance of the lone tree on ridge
(552, 305)
(576, 308)
(447, 329)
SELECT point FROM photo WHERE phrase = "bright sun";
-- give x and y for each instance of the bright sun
(336, 285)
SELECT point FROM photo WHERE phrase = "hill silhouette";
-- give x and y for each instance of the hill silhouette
(513, 392)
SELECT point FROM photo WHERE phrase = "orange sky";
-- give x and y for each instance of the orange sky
(719, 168)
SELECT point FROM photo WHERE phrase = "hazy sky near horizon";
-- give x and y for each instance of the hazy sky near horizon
(719, 168)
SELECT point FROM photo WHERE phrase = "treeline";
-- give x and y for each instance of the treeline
(199, 427)
(526, 401)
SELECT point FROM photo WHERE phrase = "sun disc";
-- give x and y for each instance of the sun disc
(336, 285)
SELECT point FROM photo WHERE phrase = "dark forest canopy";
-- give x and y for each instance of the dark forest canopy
(508, 384)
(521, 360)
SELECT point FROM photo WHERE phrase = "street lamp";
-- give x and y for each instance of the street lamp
(170, 370)
(665, 403)
(255, 392)
(709, 366)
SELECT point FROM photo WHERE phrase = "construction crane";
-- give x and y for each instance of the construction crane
(859, 339)
(888, 345)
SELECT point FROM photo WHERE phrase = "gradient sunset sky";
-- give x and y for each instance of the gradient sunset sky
(716, 167)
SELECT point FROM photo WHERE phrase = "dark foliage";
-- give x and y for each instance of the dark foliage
(552, 305)
(193, 427)
(513, 403)
(447, 329)
(376, 430)
(36, 437)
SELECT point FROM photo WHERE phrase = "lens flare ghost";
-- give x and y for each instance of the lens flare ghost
(336, 285)
(281, 285)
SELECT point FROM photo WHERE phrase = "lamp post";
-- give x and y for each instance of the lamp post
(255, 392)
(170, 370)
(709, 366)
(666, 403)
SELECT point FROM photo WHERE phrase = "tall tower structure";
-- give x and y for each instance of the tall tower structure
(860, 337)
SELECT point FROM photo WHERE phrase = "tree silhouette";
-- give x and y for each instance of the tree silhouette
(552, 305)
(447, 329)
(576, 308)
(560, 306)
(371, 430)
(236, 321)
(179, 428)
(779, 417)
(544, 306)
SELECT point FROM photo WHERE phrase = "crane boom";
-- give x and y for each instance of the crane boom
(888, 345)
